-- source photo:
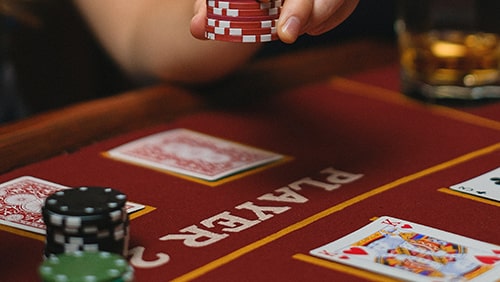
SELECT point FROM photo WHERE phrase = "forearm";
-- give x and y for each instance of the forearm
(151, 38)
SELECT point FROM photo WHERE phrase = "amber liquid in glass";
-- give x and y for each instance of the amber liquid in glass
(449, 63)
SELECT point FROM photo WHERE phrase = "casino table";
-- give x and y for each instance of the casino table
(355, 149)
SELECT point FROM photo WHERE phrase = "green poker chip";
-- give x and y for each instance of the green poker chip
(86, 267)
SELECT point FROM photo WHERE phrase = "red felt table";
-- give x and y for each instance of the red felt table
(407, 152)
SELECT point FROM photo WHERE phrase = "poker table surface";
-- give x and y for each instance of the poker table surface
(356, 149)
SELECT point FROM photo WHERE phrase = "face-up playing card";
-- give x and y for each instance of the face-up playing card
(21, 202)
(486, 185)
(414, 252)
(192, 154)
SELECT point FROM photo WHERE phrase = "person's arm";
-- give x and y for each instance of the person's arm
(297, 17)
(152, 39)
(160, 38)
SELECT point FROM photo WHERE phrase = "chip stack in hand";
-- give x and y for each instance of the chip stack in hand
(86, 219)
(248, 21)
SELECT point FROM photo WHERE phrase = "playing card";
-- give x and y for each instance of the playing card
(414, 252)
(192, 154)
(21, 202)
(486, 185)
(132, 207)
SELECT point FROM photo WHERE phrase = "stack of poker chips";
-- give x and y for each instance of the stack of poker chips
(86, 219)
(247, 21)
(86, 266)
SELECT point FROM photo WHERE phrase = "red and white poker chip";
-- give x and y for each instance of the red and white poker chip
(241, 31)
(242, 38)
(242, 20)
(241, 24)
(229, 4)
(244, 12)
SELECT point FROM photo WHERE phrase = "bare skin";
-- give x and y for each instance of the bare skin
(164, 39)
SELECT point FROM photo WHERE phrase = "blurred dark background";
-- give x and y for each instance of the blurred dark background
(58, 61)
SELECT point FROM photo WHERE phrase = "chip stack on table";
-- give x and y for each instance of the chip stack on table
(86, 266)
(247, 21)
(86, 219)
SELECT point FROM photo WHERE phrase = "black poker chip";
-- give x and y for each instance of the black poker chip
(86, 219)
(83, 201)
(118, 247)
(116, 232)
(75, 222)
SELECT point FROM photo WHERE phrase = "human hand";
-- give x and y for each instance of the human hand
(313, 17)
(297, 17)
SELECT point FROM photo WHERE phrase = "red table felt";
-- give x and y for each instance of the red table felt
(407, 152)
